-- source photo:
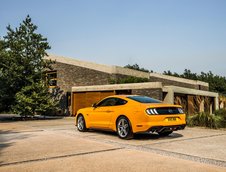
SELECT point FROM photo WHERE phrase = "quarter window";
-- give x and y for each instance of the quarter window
(112, 102)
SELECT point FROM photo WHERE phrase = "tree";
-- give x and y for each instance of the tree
(216, 83)
(34, 99)
(22, 68)
(4, 96)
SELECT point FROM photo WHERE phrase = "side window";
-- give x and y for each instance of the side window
(120, 102)
(112, 102)
(107, 102)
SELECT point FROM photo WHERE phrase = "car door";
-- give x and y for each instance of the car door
(102, 113)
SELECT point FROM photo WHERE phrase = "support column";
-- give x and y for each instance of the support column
(169, 97)
(216, 103)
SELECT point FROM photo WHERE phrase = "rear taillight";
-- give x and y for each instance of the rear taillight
(164, 111)
(180, 110)
(151, 111)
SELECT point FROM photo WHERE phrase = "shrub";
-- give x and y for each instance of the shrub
(221, 113)
(205, 120)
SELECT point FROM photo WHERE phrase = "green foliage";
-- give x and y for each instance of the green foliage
(22, 68)
(221, 113)
(136, 67)
(216, 83)
(129, 79)
(34, 99)
(205, 120)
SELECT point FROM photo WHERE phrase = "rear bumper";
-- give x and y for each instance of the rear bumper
(166, 128)
(160, 128)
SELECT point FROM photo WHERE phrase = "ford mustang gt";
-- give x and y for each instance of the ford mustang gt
(129, 114)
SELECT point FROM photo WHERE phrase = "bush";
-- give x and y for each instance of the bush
(221, 113)
(205, 120)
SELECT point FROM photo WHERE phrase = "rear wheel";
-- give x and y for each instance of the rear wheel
(166, 133)
(124, 129)
(81, 124)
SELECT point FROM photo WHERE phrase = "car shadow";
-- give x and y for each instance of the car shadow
(103, 132)
(140, 136)
(155, 136)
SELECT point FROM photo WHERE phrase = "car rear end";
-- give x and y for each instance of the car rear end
(161, 118)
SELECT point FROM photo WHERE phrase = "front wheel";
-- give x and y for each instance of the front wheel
(81, 124)
(124, 129)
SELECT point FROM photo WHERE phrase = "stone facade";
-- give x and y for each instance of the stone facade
(70, 75)
(155, 93)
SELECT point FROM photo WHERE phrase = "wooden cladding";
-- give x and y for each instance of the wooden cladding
(86, 99)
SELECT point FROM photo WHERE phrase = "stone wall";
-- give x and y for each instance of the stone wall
(154, 93)
(70, 75)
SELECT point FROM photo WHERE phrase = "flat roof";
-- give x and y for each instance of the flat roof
(144, 85)
(189, 91)
(98, 67)
(120, 70)
(177, 79)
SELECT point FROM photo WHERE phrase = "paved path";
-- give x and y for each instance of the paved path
(55, 145)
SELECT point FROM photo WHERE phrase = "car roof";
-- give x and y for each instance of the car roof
(124, 95)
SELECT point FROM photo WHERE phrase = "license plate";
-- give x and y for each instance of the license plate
(172, 119)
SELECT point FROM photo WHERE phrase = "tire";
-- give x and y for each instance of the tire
(166, 133)
(81, 123)
(124, 129)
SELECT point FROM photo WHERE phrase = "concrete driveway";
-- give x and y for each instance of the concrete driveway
(56, 145)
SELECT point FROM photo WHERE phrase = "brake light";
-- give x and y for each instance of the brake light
(151, 111)
(164, 111)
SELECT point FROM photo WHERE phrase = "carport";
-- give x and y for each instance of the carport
(85, 96)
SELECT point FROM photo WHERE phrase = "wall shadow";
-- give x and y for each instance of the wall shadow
(9, 138)
(5, 118)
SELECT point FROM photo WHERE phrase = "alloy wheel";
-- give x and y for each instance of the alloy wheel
(123, 127)
(81, 123)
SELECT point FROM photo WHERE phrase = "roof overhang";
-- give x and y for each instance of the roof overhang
(145, 85)
(178, 79)
(189, 91)
(98, 67)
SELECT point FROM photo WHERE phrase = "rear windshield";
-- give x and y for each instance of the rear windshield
(144, 99)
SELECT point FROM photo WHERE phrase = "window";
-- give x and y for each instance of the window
(51, 77)
(120, 102)
(144, 99)
(112, 102)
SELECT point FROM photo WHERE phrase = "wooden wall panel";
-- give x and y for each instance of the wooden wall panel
(86, 99)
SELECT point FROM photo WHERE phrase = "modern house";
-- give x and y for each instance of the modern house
(84, 83)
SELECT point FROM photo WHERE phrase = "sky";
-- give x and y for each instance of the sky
(158, 35)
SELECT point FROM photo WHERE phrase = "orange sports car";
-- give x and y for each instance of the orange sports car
(129, 114)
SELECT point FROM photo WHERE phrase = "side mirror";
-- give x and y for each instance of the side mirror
(94, 105)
